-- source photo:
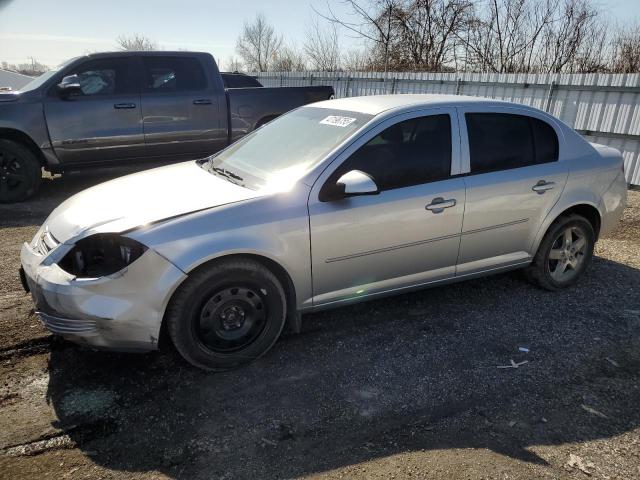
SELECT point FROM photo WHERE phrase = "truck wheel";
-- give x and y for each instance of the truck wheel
(564, 253)
(20, 172)
(227, 314)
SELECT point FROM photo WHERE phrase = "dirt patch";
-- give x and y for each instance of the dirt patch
(406, 387)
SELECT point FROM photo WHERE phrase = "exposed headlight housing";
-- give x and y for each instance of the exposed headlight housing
(100, 255)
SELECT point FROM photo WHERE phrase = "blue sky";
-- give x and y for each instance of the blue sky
(53, 31)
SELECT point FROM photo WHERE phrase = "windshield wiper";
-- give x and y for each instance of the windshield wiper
(227, 173)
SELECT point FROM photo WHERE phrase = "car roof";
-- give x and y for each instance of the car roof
(145, 53)
(376, 104)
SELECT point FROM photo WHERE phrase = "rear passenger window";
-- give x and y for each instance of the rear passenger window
(408, 153)
(545, 141)
(501, 141)
(173, 74)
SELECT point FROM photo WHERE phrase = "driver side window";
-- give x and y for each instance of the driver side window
(105, 76)
(411, 152)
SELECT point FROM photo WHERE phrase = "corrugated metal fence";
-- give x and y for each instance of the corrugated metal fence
(603, 107)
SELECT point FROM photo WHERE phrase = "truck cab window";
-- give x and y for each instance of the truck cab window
(173, 74)
(105, 76)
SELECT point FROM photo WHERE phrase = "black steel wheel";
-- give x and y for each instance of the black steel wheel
(231, 319)
(226, 314)
(20, 172)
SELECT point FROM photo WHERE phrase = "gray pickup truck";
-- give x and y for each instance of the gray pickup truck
(128, 107)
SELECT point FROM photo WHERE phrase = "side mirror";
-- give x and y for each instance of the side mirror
(70, 85)
(355, 183)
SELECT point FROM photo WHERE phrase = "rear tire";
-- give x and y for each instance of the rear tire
(227, 314)
(564, 253)
(20, 172)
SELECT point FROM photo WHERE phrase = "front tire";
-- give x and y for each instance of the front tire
(20, 172)
(227, 314)
(564, 253)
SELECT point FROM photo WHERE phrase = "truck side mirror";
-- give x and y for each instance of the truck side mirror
(70, 85)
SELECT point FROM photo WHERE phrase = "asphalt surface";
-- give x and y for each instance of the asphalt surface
(406, 387)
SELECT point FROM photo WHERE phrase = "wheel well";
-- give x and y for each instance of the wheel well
(275, 268)
(23, 139)
(589, 212)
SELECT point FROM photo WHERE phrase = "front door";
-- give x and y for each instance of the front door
(515, 176)
(101, 124)
(182, 113)
(401, 237)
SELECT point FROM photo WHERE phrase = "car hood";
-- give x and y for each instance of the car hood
(135, 200)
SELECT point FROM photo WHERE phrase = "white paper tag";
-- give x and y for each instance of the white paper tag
(338, 121)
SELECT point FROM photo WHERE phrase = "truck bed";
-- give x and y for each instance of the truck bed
(250, 108)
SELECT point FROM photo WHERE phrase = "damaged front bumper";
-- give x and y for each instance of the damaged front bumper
(122, 311)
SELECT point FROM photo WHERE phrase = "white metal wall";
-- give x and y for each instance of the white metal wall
(603, 107)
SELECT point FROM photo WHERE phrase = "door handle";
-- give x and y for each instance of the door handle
(202, 101)
(124, 105)
(542, 186)
(438, 204)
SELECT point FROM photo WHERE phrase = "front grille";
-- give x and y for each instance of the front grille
(65, 326)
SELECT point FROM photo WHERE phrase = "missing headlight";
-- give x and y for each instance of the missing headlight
(101, 254)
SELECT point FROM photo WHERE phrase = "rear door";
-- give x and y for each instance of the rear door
(103, 123)
(183, 114)
(514, 176)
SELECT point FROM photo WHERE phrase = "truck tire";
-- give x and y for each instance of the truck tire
(227, 314)
(20, 172)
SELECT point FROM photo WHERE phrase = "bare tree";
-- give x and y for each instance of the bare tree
(289, 59)
(408, 34)
(33, 68)
(322, 46)
(136, 42)
(233, 64)
(355, 61)
(425, 33)
(258, 44)
(373, 21)
(574, 40)
(504, 37)
(626, 49)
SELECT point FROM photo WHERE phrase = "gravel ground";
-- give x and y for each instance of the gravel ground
(406, 387)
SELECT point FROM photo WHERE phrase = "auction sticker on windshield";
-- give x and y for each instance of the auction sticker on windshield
(338, 121)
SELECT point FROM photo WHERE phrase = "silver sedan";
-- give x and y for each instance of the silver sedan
(333, 203)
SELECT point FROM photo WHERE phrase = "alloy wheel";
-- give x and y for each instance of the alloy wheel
(567, 254)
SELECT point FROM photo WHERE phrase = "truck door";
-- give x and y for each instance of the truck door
(182, 113)
(103, 123)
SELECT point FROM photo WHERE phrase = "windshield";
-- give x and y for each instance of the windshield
(275, 156)
(39, 81)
